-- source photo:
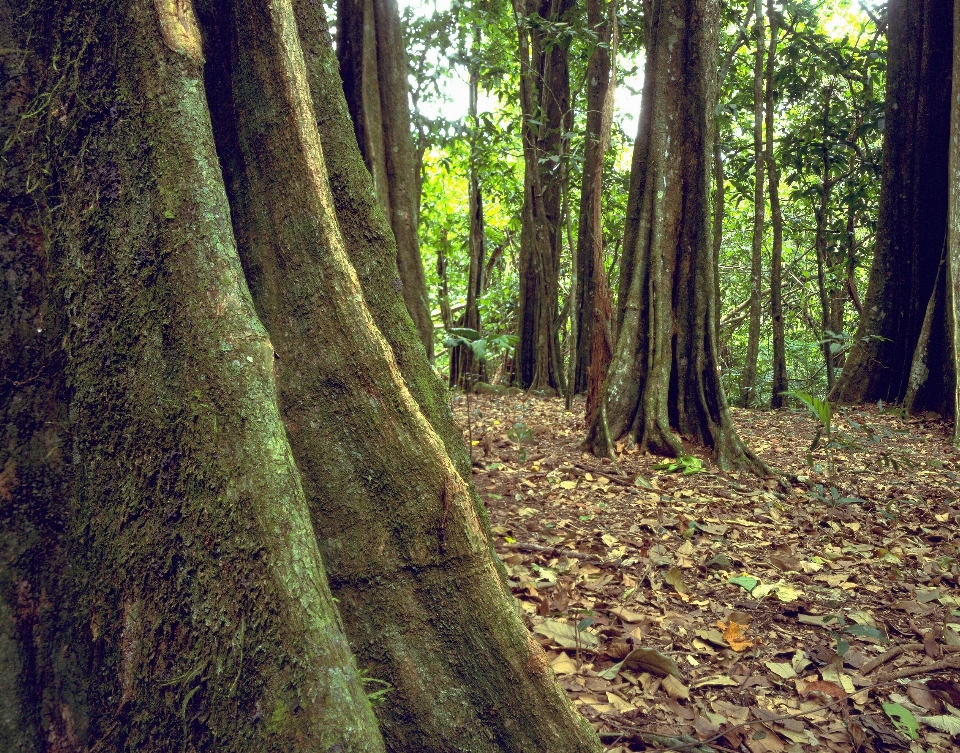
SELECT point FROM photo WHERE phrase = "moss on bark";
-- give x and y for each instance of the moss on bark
(191, 610)
(407, 553)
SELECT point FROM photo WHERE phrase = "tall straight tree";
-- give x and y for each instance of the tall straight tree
(780, 382)
(748, 382)
(198, 404)
(663, 387)
(592, 309)
(373, 66)
(547, 119)
(953, 225)
(465, 368)
(912, 220)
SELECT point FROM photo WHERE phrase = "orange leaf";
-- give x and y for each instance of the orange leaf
(733, 635)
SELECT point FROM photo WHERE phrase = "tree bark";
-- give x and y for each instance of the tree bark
(163, 588)
(373, 66)
(780, 381)
(913, 203)
(367, 236)
(465, 369)
(187, 605)
(545, 110)
(663, 388)
(748, 381)
(591, 282)
(953, 228)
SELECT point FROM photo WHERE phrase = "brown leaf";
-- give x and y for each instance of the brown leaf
(923, 698)
(830, 689)
(913, 607)
(930, 645)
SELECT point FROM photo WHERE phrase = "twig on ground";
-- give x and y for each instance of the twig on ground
(894, 652)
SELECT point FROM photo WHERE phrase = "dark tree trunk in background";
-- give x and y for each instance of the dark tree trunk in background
(719, 178)
(592, 305)
(952, 250)
(822, 215)
(545, 108)
(913, 205)
(226, 404)
(748, 381)
(663, 387)
(780, 381)
(953, 229)
(465, 369)
(373, 66)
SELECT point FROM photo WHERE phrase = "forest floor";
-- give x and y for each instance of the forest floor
(677, 607)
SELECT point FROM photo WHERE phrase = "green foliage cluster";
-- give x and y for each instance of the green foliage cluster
(829, 98)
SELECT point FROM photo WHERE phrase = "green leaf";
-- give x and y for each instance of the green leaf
(466, 333)
(866, 631)
(746, 582)
(902, 719)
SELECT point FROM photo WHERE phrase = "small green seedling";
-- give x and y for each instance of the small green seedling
(685, 464)
(859, 631)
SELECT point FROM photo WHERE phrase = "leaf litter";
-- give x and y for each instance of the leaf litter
(689, 609)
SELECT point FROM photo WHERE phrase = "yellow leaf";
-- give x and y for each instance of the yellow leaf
(675, 688)
(626, 615)
(564, 665)
(568, 484)
(618, 703)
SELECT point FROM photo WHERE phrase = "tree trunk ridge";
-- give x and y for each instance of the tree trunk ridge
(217, 457)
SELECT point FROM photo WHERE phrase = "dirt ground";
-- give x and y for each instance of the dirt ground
(685, 608)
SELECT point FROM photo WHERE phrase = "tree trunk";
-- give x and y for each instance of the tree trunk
(366, 232)
(719, 179)
(664, 387)
(163, 588)
(591, 281)
(953, 228)
(931, 366)
(780, 381)
(177, 599)
(748, 381)
(545, 109)
(465, 369)
(913, 203)
(373, 66)
(446, 315)
(820, 250)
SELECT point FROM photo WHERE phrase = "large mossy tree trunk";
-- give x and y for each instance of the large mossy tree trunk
(913, 204)
(663, 388)
(373, 66)
(162, 586)
(162, 521)
(365, 230)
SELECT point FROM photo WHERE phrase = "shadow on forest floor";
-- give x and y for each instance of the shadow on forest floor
(716, 605)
